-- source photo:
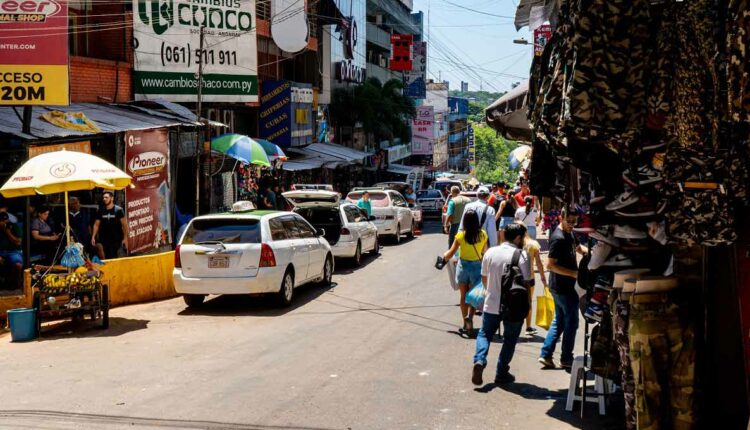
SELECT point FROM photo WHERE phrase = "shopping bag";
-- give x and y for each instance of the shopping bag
(475, 297)
(451, 266)
(545, 309)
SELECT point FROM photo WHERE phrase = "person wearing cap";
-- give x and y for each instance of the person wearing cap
(455, 213)
(486, 214)
(10, 245)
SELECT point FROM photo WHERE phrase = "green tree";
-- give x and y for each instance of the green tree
(492, 152)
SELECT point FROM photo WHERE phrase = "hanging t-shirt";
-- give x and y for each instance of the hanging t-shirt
(110, 226)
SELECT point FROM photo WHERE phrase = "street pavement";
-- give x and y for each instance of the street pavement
(378, 350)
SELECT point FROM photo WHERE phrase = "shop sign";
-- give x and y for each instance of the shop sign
(401, 52)
(347, 71)
(398, 152)
(423, 131)
(34, 64)
(167, 50)
(147, 201)
(542, 35)
(286, 114)
(415, 80)
(84, 146)
(472, 149)
(458, 105)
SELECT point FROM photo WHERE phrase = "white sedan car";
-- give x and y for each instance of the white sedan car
(392, 214)
(347, 228)
(250, 252)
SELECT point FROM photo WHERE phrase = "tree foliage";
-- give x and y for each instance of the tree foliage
(492, 152)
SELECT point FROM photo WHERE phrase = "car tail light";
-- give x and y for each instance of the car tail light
(345, 231)
(177, 259)
(267, 258)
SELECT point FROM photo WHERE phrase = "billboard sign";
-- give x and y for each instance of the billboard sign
(286, 113)
(472, 149)
(458, 105)
(401, 52)
(542, 35)
(166, 38)
(34, 64)
(147, 202)
(415, 80)
(423, 131)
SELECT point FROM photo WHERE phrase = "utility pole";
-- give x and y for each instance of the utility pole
(199, 116)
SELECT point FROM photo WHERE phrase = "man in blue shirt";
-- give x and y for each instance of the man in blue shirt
(364, 203)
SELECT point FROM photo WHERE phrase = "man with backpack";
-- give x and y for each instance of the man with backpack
(486, 215)
(506, 276)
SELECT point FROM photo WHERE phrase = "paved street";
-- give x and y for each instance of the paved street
(378, 350)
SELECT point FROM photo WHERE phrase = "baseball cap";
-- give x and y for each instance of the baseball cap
(483, 191)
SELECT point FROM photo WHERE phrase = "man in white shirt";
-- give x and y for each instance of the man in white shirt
(493, 265)
(486, 214)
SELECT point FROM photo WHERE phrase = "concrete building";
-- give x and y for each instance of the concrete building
(458, 151)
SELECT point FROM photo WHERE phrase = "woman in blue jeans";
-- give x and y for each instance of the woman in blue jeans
(471, 243)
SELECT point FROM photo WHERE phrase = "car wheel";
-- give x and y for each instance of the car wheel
(376, 247)
(397, 236)
(286, 291)
(357, 260)
(327, 272)
(410, 235)
(193, 300)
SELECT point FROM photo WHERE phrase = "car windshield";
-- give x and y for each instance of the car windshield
(379, 200)
(320, 216)
(224, 230)
(428, 194)
(443, 185)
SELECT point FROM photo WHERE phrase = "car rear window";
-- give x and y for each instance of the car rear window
(320, 216)
(379, 200)
(223, 230)
(428, 194)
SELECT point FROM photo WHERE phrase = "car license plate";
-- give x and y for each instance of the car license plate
(218, 262)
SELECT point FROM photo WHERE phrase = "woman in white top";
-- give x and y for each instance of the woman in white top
(529, 215)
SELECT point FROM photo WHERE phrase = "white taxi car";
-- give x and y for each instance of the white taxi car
(250, 252)
(392, 214)
(347, 228)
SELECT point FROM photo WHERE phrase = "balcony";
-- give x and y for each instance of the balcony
(381, 73)
(378, 36)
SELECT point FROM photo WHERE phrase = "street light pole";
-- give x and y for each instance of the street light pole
(199, 116)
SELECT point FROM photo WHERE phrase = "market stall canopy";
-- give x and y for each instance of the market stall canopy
(242, 148)
(109, 118)
(400, 169)
(508, 114)
(344, 153)
(273, 150)
(63, 171)
(305, 163)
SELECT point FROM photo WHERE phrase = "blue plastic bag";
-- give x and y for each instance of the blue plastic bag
(475, 297)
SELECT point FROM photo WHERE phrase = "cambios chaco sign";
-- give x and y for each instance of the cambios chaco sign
(34, 52)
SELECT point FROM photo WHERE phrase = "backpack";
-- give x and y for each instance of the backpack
(514, 296)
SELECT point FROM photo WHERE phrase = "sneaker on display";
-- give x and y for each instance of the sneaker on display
(618, 260)
(622, 201)
(603, 283)
(636, 212)
(594, 313)
(658, 231)
(644, 175)
(628, 232)
(603, 234)
(599, 254)
(585, 225)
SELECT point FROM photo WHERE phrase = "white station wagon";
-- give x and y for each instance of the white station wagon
(250, 252)
(391, 211)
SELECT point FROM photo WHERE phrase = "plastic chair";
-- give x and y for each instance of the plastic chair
(601, 387)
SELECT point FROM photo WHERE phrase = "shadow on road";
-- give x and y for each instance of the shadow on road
(246, 305)
(88, 328)
(346, 266)
(51, 418)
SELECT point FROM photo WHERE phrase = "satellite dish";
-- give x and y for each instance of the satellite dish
(289, 24)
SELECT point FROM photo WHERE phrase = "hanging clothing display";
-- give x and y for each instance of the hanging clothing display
(621, 324)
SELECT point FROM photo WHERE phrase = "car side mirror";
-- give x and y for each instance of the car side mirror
(320, 232)
(372, 218)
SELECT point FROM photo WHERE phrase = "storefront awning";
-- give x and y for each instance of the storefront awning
(508, 114)
(307, 159)
(400, 169)
(343, 153)
(109, 118)
(302, 164)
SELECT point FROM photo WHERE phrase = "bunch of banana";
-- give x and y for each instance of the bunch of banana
(55, 284)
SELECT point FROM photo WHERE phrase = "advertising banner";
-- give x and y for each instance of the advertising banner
(401, 52)
(84, 146)
(286, 113)
(458, 105)
(34, 46)
(423, 131)
(147, 203)
(415, 80)
(542, 35)
(166, 38)
(472, 149)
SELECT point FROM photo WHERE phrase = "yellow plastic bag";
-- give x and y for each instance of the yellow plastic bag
(545, 309)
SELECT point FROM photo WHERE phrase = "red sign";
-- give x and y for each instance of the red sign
(147, 204)
(542, 35)
(401, 52)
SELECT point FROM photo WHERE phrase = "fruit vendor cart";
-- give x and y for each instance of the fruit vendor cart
(73, 288)
(60, 295)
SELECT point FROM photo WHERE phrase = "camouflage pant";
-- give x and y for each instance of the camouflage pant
(662, 355)
(621, 319)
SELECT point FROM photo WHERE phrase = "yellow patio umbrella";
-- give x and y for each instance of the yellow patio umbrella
(61, 172)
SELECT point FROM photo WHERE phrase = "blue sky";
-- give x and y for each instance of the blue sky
(475, 46)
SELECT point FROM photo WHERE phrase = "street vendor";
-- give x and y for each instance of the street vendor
(43, 237)
(110, 228)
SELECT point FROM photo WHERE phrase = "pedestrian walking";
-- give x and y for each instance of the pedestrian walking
(506, 214)
(533, 249)
(529, 215)
(493, 267)
(454, 213)
(485, 213)
(561, 262)
(110, 228)
(365, 203)
(471, 243)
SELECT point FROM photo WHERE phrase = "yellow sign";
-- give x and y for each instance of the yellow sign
(34, 85)
(84, 146)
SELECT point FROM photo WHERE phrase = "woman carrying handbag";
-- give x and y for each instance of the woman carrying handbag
(471, 243)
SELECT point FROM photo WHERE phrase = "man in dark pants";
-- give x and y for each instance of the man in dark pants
(563, 269)
(110, 227)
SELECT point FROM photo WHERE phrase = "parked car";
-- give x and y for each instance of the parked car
(326, 187)
(250, 252)
(394, 185)
(347, 228)
(441, 184)
(392, 214)
(431, 201)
